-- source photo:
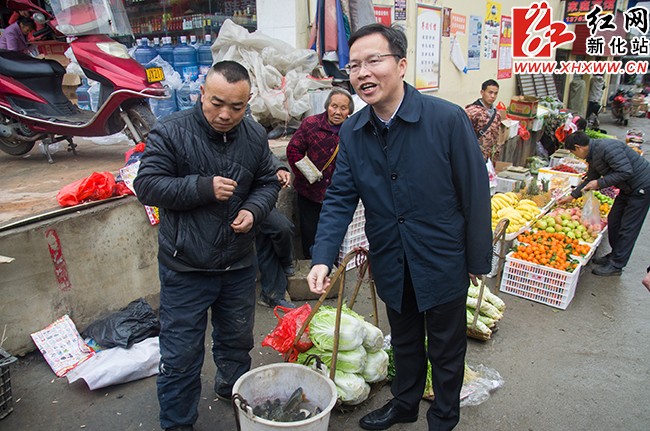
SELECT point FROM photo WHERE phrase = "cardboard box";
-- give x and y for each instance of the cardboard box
(69, 86)
(501, 166)
(523, 106)
(526, 121)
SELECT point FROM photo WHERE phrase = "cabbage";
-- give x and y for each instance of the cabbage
(351, 388)
(374, 338)
(349, 361)
(321, 329)
(376, 368)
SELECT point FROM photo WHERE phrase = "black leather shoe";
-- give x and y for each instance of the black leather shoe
(386, 417)
(607, 270)
(601, 260)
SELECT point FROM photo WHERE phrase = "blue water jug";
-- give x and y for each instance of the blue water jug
(205, 55)
(186, 60)
(144, 53)
(164, 107)
(166, 51)
(194, 42)
(83, 97)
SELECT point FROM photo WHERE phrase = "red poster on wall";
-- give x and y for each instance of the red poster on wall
(505, 49)
(382, 15)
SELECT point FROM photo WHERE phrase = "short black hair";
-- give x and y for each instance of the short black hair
(579, 138)
(489, 82)
(396, 38)
(26, 21)
(231, 70)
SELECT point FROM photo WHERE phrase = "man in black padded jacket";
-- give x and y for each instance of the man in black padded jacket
(613, 163)
(210, 172)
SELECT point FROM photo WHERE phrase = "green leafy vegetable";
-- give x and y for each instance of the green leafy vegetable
(349, 361)
(322, 326)
(376, 368)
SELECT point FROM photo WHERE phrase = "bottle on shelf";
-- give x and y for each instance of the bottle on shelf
(83, 97)
(205, 55)
(186, 59)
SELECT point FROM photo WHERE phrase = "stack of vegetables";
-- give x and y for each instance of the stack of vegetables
(360, 359)
(490, 311)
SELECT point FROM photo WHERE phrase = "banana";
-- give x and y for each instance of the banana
(527, 201)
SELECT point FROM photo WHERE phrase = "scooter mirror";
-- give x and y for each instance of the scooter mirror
(39, 18)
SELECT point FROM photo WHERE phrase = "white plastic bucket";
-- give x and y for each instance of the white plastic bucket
(280, 381)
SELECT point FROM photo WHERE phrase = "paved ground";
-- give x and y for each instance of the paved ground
(585, 368)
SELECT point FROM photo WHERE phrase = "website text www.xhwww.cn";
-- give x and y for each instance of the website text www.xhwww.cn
(580, 67)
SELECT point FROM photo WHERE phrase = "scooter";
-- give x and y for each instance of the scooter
(621, 107)
(33, 106)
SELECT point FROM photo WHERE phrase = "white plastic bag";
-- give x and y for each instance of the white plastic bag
(280, 74)
(118, 365)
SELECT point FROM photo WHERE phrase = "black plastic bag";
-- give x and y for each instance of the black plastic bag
(132, 324)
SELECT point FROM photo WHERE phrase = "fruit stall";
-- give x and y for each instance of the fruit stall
(546, 244)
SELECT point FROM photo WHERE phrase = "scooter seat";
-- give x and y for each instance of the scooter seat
(19, 65)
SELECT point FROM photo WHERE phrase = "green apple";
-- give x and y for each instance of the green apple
(550, 229)
(541, 224)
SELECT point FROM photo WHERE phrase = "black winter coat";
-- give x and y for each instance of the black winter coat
(183, 153)
(613, 163)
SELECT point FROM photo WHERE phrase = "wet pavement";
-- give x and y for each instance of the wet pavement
(583, 368)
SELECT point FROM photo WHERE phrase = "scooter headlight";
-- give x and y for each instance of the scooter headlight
(113, 48)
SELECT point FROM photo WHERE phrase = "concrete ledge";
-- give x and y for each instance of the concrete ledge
(86, 264)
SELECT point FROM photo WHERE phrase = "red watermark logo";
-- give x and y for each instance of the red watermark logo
(534, 34)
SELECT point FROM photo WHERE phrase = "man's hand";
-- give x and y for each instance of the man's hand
(318, 279)
(474, 278)
(591, 185)
(284, 177)
(223, 188)
(565, 199)
(244, 221)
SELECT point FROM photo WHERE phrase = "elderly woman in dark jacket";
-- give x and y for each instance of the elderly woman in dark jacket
(613, 163)
(317, 138)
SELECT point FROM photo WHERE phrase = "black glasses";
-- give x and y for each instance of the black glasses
(369, 63)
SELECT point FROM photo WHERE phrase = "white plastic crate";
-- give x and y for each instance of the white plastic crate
(349, 243)
(539, 283)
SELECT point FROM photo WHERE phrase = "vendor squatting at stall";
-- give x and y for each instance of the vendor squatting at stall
(613, 163)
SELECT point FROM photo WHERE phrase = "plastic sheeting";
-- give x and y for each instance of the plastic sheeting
(280, 74)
